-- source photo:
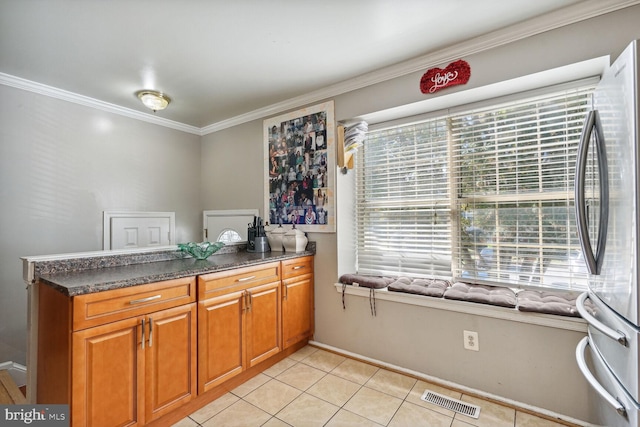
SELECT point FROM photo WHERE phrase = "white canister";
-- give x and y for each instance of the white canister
(294, 240)
(275, 236)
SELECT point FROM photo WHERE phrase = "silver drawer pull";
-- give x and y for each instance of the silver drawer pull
(150, 331)
(138, 301)
(298, 267)
(142, 333)
(244, 279)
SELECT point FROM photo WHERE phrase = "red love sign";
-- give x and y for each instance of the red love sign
(456, 73)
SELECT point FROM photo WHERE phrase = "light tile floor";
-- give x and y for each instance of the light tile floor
(314, 387)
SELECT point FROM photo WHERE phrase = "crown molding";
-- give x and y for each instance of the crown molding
(566, 16)
(64, 95)
(553, 20)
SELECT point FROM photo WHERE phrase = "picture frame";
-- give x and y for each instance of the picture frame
(300, 169)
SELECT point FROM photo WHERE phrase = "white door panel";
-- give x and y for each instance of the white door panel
(128, 230)
(218, 221)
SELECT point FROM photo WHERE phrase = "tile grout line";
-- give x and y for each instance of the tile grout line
(360, 387)
(342, 407)
(325, 374)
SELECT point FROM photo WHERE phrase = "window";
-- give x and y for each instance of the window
(229, 236)
(483, 195)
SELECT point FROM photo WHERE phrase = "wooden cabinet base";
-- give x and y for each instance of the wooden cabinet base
(152, 354)
(211, 395)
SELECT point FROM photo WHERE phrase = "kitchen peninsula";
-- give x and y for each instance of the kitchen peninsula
(146, 337)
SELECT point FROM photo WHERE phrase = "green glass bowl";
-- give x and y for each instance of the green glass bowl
(200, 250)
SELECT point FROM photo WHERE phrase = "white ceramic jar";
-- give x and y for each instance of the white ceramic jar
(275, 236)
(294, 240)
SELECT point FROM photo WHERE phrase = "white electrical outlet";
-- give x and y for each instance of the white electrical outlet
(471, 340)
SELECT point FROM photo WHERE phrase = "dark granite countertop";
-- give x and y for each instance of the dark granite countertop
(90, 280)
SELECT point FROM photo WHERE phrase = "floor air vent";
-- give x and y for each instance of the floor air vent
(458, 406)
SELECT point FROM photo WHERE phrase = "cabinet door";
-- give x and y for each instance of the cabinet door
(263, 322)
(170, 360)
(297, 309)
(108, 375)
(220, 332)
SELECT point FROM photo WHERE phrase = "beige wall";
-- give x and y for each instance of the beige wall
(531, 364)
(61, 166)
(232, 169)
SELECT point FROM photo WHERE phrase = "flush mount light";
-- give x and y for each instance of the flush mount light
(153, 99)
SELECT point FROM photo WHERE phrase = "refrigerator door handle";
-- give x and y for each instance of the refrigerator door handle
(593, 261)
(611, 333)
(581, 216)
(593, 382)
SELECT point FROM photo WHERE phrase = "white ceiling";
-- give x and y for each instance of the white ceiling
(219, 59)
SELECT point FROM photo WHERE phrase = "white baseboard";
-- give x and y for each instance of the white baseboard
(18, 372)
(450, 384)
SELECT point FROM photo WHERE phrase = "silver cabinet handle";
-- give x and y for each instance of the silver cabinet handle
(298, 267)
(138, 301)
(142, 333)
(244, 279)
(249, 300)
(582, 365)
(150, 331)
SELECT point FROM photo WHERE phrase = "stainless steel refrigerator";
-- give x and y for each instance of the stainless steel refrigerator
(608, 218)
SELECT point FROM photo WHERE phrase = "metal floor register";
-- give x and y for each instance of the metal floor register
(455, 405)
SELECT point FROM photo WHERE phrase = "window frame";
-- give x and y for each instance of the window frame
(455, 243)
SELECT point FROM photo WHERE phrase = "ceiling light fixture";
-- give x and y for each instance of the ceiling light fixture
(153, 99)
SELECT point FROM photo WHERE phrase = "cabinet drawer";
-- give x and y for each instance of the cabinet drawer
(210, 285)
(108, 306)
(297, 267)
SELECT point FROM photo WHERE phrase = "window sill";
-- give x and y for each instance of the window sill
(477, 309)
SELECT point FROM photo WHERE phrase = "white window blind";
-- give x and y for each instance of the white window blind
(403, 201)
(483, 195)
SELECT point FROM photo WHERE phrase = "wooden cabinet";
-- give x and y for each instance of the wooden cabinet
(263, 321)
(297, 300)
(106, 368)
(170, 360)
(238, 322)
(130, 356)
(220, 332)
(126, 356)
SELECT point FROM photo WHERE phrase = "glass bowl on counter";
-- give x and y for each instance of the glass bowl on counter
(200, 250)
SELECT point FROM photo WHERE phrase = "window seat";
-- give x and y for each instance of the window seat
(443, 294)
